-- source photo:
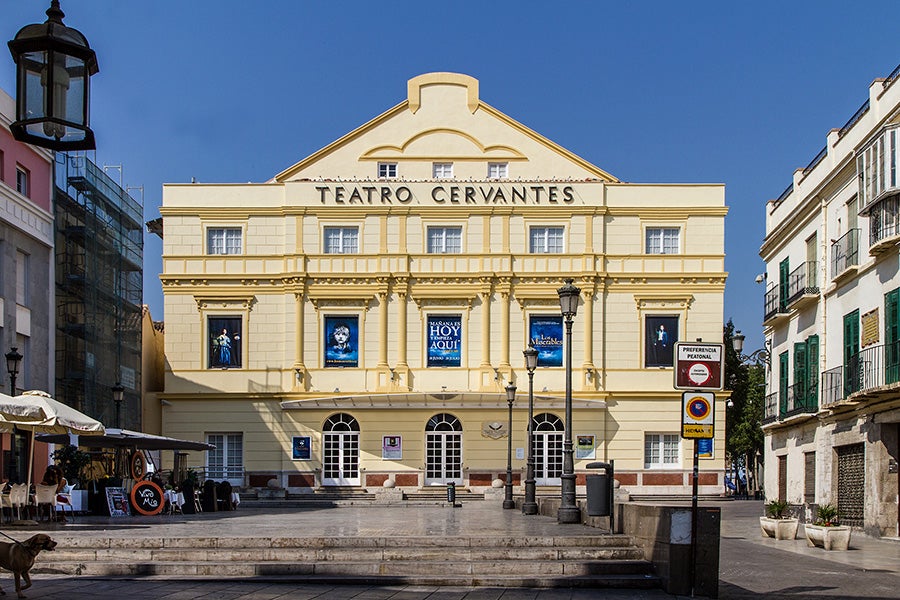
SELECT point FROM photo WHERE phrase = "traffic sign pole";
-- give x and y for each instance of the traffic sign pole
(694, 514)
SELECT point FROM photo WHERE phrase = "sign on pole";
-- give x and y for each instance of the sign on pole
(698, 415)
(699, 366)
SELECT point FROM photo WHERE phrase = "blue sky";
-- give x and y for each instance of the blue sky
(680, 92)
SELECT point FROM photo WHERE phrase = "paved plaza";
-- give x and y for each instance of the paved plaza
(750, 566)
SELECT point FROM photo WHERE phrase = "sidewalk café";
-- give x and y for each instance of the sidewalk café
(120, 475)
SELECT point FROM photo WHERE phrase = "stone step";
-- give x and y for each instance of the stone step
(617, 581)
(540, 561)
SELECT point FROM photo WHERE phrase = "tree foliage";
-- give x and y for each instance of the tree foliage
(743, 420)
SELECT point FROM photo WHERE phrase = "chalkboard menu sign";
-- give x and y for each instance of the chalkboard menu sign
(147, 498)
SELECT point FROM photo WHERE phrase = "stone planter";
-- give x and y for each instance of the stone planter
(780, 529)
(836, 537)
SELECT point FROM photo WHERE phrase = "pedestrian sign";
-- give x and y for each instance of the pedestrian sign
(698, 415)
(699, 366)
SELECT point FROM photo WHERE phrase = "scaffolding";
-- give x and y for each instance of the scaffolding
(99, 292)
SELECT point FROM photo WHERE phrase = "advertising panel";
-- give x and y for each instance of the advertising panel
(546, 334)
(444, 340)
(224, 342)
(342, 341)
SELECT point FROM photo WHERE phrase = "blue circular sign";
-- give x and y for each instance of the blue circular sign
(698, 408)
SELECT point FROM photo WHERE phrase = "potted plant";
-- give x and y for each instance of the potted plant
(778, 523)
(827, 532)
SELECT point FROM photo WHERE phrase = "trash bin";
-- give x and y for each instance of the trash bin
(598, 495)
(599, 490)
(451, 492)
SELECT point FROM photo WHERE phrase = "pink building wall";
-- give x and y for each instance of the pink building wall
(13, 153)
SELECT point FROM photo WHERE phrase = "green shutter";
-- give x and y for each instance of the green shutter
(892, 336)
(851, 353)
(812, 361)
(800, 367)
(784, 274)
(783, 375)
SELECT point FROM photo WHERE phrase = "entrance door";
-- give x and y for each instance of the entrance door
(443, 450)
(340, 457)
(548, 449)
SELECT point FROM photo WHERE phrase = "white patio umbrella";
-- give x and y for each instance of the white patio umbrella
(38, 412)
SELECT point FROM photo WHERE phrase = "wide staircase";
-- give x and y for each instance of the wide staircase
(493, 561)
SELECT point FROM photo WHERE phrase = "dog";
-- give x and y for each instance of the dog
(18, 557)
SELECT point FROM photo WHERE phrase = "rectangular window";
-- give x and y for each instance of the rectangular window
(387, 170)
(663, 240)
(22, 180)
(223, 240)
(444, 240)
(498, 170)
(662, 450)
(546, 240)
(442, 170)
(809, 477)
(661, 334)
(21, 278)
(341, 240)
(226, 460)
(225, 342)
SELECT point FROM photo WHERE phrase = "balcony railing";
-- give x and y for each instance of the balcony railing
(832, 386)
(884, 219)
(773, 304)
(845, 252)
(801, 399)
(871, 368)
(803, 281)
(771, 413)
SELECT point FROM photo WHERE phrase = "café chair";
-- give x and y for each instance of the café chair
(64, 499)
(18, 497)
(45, 495)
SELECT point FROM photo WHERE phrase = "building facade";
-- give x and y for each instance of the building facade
(832, 323)
(26, 277)
(99, 291)
(356, 320)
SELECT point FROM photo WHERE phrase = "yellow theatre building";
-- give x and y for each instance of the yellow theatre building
(355, 321)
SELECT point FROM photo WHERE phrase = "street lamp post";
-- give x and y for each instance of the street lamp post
(568, 511)
(508, 501)
(530, 507)
(13, 360)
(118, 393)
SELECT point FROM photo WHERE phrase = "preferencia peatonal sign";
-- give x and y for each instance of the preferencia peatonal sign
(699, 366)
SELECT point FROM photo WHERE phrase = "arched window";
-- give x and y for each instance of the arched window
(341, 422)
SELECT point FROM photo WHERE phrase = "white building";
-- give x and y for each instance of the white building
(832, 322)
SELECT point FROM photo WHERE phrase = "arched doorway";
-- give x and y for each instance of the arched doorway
(340, 454)
(443, 450)
(548, 449)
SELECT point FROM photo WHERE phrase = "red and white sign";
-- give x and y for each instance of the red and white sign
(699, 366)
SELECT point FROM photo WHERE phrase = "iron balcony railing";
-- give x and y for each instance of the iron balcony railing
(872, 367)
(845, 252)
(773, 304)
(801, 398)
(771, 409)
(832, 386)
(884, 219)
(802, 281)
(868, 369)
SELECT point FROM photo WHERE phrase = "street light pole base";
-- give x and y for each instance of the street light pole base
(530, 508)
(568, 515)
(509, 504)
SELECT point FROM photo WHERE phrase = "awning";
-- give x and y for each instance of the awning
(434, 400)
(125, 438)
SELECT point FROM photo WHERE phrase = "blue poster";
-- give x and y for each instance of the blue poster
(301, 447)
(444, 341)
(224, 342)
(704, 447)
(342, 341)
(546, 334)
